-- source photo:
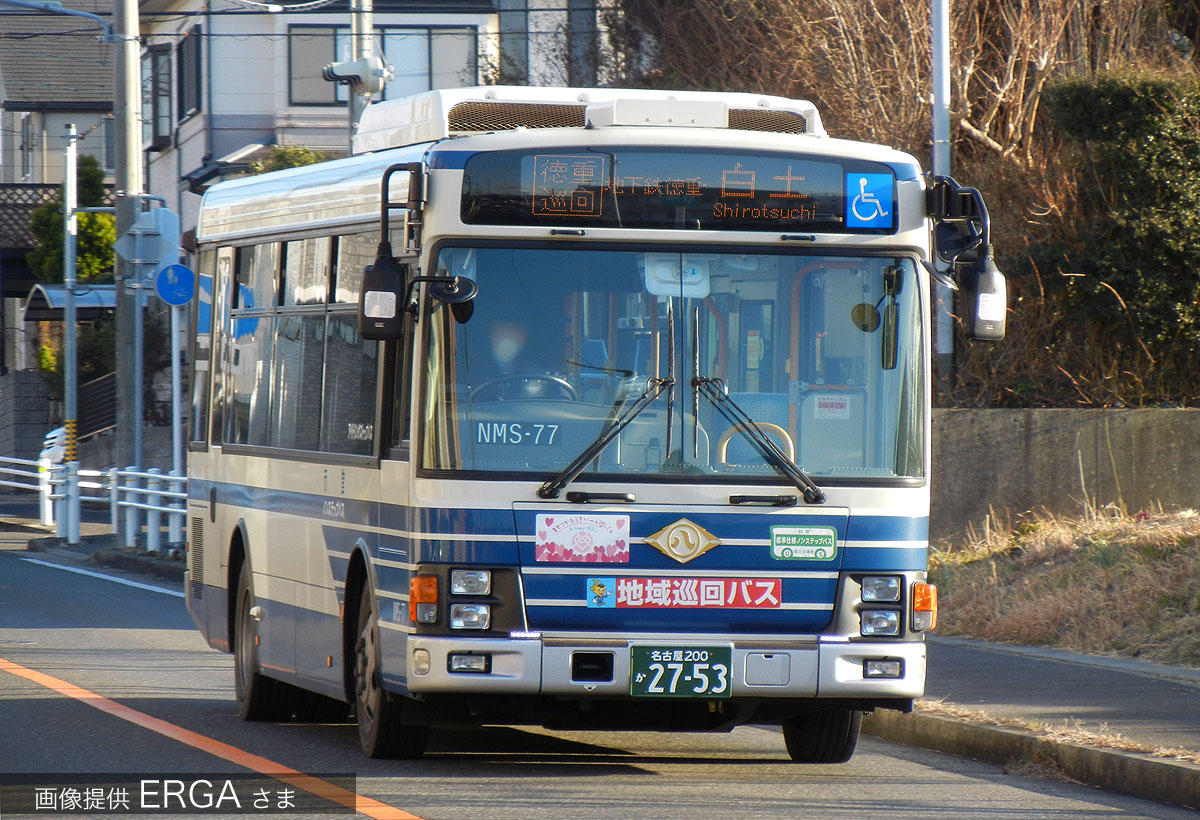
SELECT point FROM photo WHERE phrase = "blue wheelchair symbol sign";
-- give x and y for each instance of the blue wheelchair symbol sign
(869, 200)
(175, 284)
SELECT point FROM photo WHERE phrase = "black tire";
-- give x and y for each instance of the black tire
(828, 736)
(381, 729)
(258, 697)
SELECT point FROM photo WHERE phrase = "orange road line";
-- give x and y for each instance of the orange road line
(313, 785)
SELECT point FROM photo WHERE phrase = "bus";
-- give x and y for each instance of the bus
(579, 408)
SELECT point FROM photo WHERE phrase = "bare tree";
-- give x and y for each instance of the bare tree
(866, 63)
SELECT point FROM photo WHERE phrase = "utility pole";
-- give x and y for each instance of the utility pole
(943, 297)
(127, 103)
(362, 37)
(367, 73)
(70, 223)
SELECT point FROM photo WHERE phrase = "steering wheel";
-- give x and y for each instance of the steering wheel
(524, 386)
(789, 446)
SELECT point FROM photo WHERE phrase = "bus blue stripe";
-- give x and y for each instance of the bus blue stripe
(348, 520)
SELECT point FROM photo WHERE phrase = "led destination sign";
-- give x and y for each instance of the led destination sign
(696, 190)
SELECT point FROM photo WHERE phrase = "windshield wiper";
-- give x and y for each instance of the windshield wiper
(714, 391)
(654, 388)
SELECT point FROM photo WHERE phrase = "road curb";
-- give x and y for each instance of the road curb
(169, 568)
(1137, 775)
(87, 543)
(103, 549)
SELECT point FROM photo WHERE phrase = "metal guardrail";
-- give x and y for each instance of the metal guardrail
(136, 500)
(33, 475)
(154, 493)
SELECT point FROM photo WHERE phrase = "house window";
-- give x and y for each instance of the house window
(581, 42)
(156, 97)
(310, 49)
(108, 131)
(514, 42)
(27, 146)
(429, 58)
(187, 73)
(422, 58)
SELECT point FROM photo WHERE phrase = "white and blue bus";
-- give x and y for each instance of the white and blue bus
(584, 408)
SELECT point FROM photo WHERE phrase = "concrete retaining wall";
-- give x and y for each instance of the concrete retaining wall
(24, 413)
(100, 452)
(1015, 461)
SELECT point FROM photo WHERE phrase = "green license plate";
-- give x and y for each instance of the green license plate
(683, 672)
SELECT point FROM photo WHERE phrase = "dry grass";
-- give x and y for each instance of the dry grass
(1111, 583)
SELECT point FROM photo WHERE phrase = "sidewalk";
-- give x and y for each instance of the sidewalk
(1154, 704)
(1029, 707)
(20, 529)
(1151, 705)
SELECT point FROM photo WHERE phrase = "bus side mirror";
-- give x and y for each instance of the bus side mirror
(455, 291)
(962, 238)
(380, 315)
(984, 294)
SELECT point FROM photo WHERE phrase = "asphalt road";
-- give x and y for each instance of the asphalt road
(100, 677)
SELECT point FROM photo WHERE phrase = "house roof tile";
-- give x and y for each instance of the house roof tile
(55, 60)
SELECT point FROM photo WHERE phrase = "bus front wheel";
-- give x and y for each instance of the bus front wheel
(258, 697)
(381, 729)
(828, 736)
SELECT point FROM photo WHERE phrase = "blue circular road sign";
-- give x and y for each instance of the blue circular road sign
(176, 284)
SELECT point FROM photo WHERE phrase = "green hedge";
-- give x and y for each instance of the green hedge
(1139, 173)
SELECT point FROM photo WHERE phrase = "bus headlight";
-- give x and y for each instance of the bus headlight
(879, 622)
(471, 581)
(881, 588)
(470, 616)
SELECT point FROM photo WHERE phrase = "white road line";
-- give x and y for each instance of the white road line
(112, 578)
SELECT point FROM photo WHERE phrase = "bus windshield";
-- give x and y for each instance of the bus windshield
(822, 353)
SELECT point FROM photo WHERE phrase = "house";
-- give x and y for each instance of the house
(225, 79)
(54, 70)
(222, 80)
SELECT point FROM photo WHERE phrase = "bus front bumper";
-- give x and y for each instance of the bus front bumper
(563, 666)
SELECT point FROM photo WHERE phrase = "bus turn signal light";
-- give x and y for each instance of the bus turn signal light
(925, 605)
(423, 599)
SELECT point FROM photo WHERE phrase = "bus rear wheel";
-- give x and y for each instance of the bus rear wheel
(258, 697)
(381, 729)
(828, 736)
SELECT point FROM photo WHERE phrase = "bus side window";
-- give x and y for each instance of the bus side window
(251, 339)
(202, 348)
(222, 328)
(351, 392)
(402, 391)
(349, 412)
(306, 272)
